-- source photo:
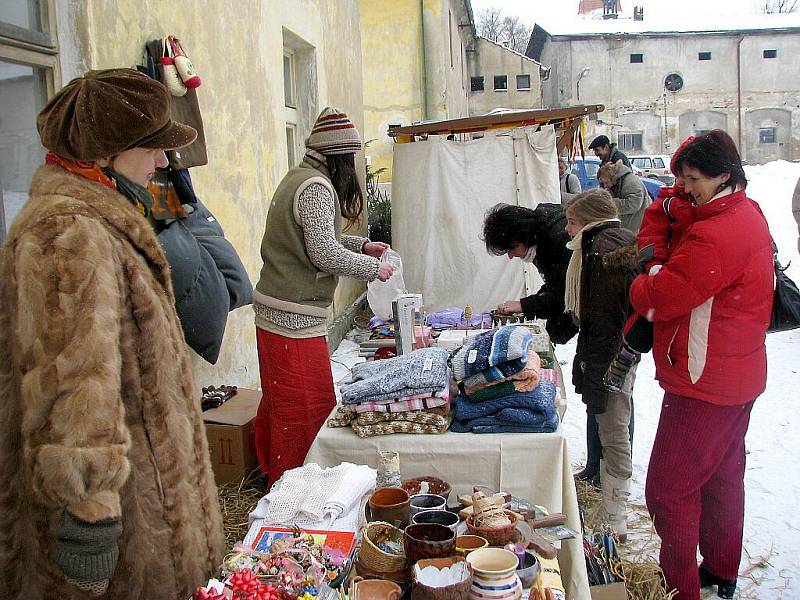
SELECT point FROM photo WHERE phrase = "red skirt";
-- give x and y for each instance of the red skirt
(297, 397)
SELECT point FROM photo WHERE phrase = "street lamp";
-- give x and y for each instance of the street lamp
(584, 73)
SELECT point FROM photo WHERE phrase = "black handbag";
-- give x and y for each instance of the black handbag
(785, 303)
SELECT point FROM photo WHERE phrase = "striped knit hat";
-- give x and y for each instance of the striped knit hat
(334, 133)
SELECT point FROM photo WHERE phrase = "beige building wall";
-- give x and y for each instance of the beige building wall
(240, 61)
(492, 59)
(737, 89)
(414, 61)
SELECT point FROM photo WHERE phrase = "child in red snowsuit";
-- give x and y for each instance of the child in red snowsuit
(663, 224)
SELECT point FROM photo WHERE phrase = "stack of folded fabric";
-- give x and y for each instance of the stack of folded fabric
(404, 394)
(502, 388)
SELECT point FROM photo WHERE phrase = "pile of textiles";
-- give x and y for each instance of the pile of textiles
(313, 497)
(502, 385)
(404, 394)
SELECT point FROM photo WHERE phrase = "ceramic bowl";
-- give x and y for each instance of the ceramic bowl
(428, 540)
(498, 536)
(453, 591)
(390, 504)
(530, 569)
(469, 543)
(420, 502)
(442, 517)
(435, 486)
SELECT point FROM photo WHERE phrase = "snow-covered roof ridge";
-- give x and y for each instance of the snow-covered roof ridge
(683, 24)
(504, 47)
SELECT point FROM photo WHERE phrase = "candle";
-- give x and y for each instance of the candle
(519, 551)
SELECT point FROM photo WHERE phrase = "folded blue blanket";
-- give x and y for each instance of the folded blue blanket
(490, 350)
(422, 371)
(540, 400)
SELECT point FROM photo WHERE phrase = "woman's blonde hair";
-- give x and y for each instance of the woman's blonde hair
(591, 206)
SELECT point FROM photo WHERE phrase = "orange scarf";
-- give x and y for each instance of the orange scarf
(87, 170)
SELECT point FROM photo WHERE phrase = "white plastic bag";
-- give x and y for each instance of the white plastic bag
(380, 294)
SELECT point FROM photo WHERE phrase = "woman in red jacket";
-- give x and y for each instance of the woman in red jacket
(710, 304)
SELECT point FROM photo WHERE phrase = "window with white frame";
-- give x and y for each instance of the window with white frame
(500, 83)
(523, 82)
(29, 74)
(290, 105)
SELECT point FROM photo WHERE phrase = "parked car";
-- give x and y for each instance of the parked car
(654, 165)
(586, 171)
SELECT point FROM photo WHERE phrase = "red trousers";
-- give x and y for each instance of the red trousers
(297, 397)
(695, 489)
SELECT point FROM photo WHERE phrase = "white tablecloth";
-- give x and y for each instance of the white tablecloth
(534, 466)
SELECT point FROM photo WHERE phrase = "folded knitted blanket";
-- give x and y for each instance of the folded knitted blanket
(542, 400)
(492, 350)
(344, 417)
(417, 402)
(422, 371)
(549, 375)
(437, 425)
(496, 374)
(524, 381)
(494, 425)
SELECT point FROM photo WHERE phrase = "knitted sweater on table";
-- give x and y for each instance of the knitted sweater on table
(419, 372)
(523, 412)
(492, 351)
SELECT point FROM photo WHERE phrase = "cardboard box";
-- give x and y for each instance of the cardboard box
(230, 430)
(611, 591)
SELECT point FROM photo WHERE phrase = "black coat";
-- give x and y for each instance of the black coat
(552, 259)
(208, 277)
(610, 263)
(617, 154)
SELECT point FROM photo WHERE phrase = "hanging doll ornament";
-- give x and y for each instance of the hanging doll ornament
(184, 66)
(172, 79)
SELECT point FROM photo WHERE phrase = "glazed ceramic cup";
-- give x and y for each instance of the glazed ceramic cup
(374, 589)
(428, 540)
(530, 570)
(442, 517)
(420, 502)
(390, 505)
(494, 575)
(469, 543)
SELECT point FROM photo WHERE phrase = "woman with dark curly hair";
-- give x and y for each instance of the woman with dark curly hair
(536, 236)
(710, 304)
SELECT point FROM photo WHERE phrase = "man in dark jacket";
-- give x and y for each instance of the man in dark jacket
(607, 152)
(536, 236)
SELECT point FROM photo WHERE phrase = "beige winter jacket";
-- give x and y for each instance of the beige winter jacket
(99, 413)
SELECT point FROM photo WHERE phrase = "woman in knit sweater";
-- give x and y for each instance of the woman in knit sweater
(304, 253)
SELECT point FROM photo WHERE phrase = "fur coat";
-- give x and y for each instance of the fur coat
(99, 412)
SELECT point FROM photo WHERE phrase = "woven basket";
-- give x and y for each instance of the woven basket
(376, 559)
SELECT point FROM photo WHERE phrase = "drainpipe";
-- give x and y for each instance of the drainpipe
(424, 61)
(739, 91)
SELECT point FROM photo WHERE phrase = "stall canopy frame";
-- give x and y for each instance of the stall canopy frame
(567, 122)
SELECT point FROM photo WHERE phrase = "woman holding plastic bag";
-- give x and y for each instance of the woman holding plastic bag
(380, 293)
(304, 253)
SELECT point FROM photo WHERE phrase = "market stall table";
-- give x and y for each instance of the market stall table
(534, 466)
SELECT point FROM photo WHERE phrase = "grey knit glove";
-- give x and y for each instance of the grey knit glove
(87, 553)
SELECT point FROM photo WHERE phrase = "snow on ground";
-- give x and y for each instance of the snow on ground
(772, 479)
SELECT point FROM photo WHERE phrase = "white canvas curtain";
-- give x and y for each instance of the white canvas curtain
(441, 191)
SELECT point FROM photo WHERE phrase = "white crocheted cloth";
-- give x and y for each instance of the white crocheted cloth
(313, 497)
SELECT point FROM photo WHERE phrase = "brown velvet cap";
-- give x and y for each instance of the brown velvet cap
(106, 112)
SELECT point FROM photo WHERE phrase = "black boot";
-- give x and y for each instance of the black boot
(589, 476)
(725, 587)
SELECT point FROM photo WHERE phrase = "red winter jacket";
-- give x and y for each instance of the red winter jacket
(711, 304)
(663, 224)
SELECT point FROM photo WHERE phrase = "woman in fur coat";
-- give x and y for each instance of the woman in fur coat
(106, 488)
